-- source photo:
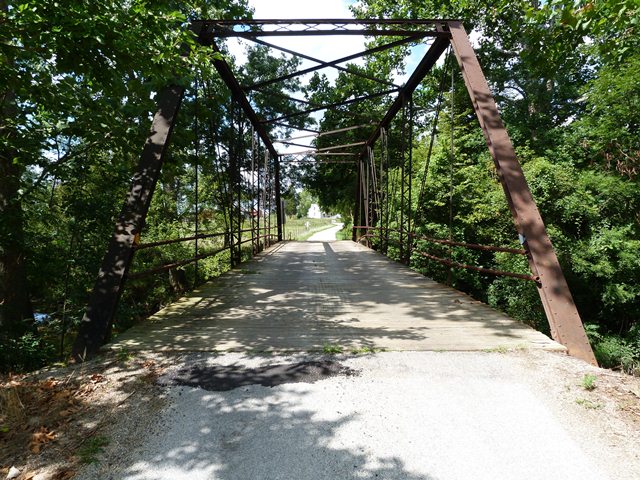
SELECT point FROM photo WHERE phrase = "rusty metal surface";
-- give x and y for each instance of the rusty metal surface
(472, 246)
(249, 28)
(437, 48)
(96, 322)
(564, 320)
(489, 271)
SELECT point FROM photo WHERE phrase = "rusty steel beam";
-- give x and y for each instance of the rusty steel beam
(96, 322)
(490, 271)
(279, 210)
(292, 127)
(435, 22)
(437, 48)
(562, 314)
(232, 83)
(370, 32)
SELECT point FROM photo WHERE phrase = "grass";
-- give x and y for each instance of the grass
(89, 452)
(331, 349)
(589, 381)
(506, 349)
(588, 404)
(124, 355)
(334, 349)
(365, 350)
(295, 228)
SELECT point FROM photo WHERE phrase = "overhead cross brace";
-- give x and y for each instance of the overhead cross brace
(324, 64)
(354, 56)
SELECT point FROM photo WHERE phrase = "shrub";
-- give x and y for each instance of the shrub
(29, 352)
(615, 352)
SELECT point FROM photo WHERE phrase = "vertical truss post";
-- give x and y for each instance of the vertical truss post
(405, 181)
(259, 196)
(101, 309)
(263, 193)
(562, 314)
(238, 183)
(268, 194)
(380, 219)
(233, 167)
(356, 203)
(373, 185)
(385, 168)
(366, 208)
(409, 180)
(196, 167)
(252, 192)
(279, 210)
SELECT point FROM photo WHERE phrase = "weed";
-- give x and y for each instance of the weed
(89, 452)
(331, 349)
(589, 381)
(124, 355)
(615, 352)
(507, 348)
(498, 349)
(588, 404)
(365, 350)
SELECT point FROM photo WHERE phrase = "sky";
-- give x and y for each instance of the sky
(323, 48)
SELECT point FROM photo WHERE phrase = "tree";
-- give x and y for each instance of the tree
(76, 79)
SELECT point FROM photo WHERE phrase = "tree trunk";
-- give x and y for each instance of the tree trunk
(16, 313)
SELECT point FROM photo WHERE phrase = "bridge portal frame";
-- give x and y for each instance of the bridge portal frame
(560, 309)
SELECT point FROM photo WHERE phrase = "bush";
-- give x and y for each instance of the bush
(613, 351)
(29, 352)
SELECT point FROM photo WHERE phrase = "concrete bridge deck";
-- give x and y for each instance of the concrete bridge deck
(302, 296)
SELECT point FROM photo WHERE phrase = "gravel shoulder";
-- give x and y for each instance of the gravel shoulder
(405, 415)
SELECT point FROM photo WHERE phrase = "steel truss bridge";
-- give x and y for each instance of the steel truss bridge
(268, 154)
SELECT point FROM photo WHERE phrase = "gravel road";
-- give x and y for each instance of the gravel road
(327, 235)
(402, 415)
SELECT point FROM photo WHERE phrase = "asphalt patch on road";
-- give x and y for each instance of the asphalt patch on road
(220, 378)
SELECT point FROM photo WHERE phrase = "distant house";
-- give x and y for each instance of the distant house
(314, 211)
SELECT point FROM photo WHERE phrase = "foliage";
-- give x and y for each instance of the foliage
(331, 349)
(77, 82)
(609, 132)
(589, 381)
(305, 199)
(612, 351)
(29, 352)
